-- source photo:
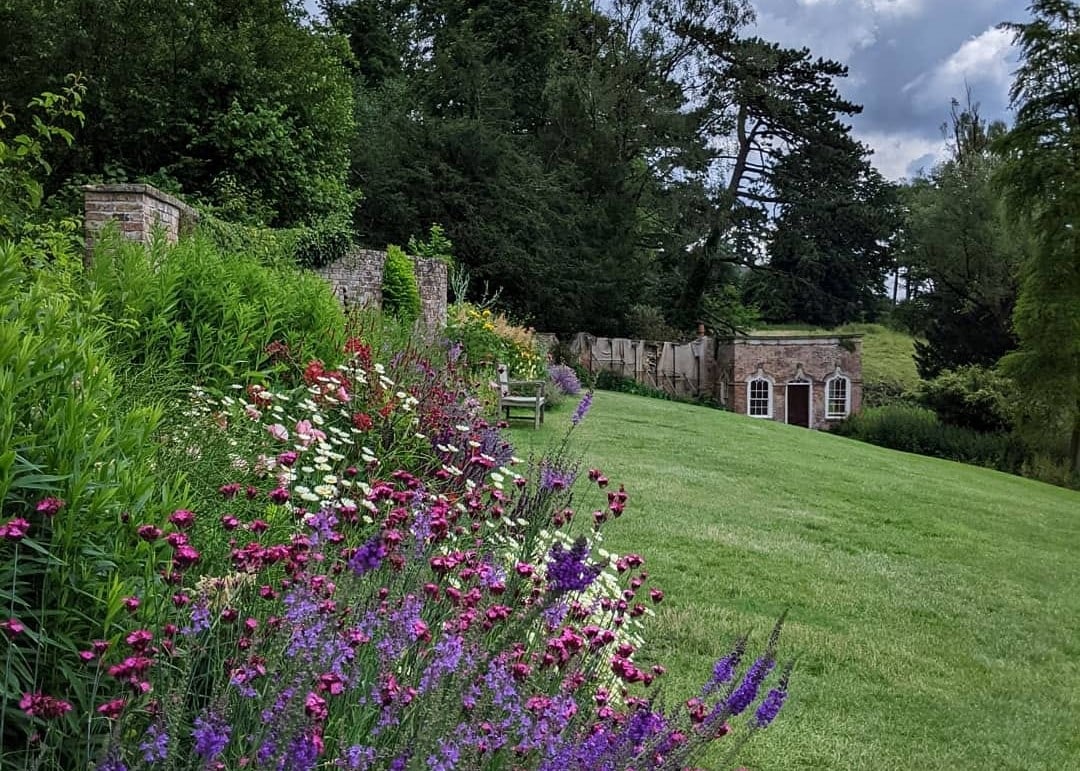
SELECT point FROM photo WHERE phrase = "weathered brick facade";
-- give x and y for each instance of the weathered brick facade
(139, 210)
(787, 363)
(794, 371)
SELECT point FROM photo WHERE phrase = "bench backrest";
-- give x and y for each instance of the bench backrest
(504, 380)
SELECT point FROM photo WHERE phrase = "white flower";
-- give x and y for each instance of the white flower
(330, 479)
(310, 497)
(325, 491)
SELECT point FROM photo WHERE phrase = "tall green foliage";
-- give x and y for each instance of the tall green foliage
(210, 313)
(1041, 175)
(401, 295)
(962, 254)
(65, 434)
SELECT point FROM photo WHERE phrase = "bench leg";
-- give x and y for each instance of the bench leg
(537, 417)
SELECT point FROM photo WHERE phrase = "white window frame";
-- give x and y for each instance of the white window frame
(829, 413)
(769, 404)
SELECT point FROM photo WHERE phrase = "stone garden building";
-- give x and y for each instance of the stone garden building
(805, 379)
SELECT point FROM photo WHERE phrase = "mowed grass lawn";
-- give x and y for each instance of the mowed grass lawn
(934, 607)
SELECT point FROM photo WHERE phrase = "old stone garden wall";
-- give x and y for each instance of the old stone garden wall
(142, 210)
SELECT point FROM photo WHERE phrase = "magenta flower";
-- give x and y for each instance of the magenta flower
(50, 506)
(279, 495)
(279, 432)
(131, 604)
(12, 627)
(287, 458)
(230, 490)
(15, 530)
(185, 556)
(40, 705)
(112, 709)
(182, 518)
(148, 532)
(229, 522)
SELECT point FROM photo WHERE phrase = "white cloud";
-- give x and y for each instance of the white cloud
(984, 62)
(896, 153)
(884, 7)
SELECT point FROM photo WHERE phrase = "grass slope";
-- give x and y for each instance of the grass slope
(934, 607)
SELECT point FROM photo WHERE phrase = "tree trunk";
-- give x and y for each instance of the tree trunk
(1074, 446)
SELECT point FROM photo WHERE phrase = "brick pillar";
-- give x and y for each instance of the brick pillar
(138, 209)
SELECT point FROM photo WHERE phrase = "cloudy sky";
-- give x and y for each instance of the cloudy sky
(906, 59)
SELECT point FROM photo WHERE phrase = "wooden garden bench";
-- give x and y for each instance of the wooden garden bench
(521, 394)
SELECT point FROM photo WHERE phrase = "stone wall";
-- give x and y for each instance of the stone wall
(357, 280)
(139, 210)
(357, 277)
(680, 369)
(432, 278)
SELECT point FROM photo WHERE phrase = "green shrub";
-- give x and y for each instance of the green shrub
(401, 296)
(972, 396)
(211, 313)
(437, 246)
(306, 246)
(606, 380)
(66, 434)
(918, 430)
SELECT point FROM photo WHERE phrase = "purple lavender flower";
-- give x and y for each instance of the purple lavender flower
(302, 754)
(554, 614)
(200, 618)
(643, 726)
(112, 763)
(400, 762)
(582, 408)
(368, 557)
(211, 736)
(554, 479)
(565, 379)
(724, 669)
(445, 658)
(770, 707)
(454, 353)
(155, 745)
(359, 758)
(744, 695)
(447, 759)
(567, 569)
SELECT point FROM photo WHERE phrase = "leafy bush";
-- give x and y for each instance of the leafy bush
(213, 314)
(437, 246)
(75, 465)
(647, 322)
(401, 295)
(336, 607)
(490, 338)
(607, 380)
(973, 397)
(918, 430)
(306, 246)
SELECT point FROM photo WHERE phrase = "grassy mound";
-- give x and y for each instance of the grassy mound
(934, 607)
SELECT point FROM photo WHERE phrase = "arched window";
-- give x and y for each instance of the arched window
(837, 396)
(759, 396)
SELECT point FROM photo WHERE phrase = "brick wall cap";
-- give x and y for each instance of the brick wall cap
(144, 189)
(803, 339)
